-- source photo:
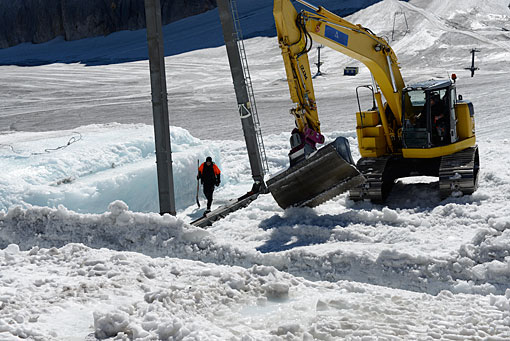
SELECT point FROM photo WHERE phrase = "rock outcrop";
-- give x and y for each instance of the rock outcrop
(38, 21)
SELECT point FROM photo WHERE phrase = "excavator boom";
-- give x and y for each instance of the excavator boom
(314, 175)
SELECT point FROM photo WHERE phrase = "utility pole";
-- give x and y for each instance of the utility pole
(160, 107)
(473, 68)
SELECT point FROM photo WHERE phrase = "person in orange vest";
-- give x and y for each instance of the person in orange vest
(209, 175)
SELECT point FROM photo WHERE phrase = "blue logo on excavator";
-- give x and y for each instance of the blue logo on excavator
(336, 35)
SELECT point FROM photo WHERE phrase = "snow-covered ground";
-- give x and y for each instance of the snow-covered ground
(82, 257)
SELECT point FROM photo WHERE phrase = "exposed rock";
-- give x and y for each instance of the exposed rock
(38, 21)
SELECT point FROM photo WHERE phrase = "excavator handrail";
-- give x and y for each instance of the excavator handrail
(371, 88)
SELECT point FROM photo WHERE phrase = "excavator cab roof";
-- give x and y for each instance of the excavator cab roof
(429, 85)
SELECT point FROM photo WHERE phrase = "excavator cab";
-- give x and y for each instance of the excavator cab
(429, 117)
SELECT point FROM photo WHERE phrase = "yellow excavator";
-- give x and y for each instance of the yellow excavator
(422, 129)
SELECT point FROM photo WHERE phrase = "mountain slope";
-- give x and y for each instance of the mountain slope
(192, 33)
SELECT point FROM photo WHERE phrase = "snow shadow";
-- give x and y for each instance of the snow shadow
(419, 196)
(304, 227)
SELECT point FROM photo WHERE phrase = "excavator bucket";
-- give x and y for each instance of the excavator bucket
(327, 173)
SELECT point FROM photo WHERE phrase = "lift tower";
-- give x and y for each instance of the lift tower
(247, 111)
(243, 89)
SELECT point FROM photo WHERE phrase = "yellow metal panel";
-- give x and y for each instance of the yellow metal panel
(372, 152)
(373, 131)
(417, 153)
(372, 142)
(367, 118)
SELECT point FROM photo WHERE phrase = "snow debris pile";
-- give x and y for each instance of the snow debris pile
(118, 229)
(477, 265)
(488, 255)
(84, 293)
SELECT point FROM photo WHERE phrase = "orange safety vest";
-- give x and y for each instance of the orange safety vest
(215, 169)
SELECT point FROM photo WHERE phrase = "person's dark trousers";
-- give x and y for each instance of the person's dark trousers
(208, 192)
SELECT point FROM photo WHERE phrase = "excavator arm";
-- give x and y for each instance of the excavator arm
(295, 44)
(361, 44)
(314, 176)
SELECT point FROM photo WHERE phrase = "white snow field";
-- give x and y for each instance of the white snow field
(84, 256)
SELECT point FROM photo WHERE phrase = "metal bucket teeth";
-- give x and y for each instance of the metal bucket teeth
(321, 177)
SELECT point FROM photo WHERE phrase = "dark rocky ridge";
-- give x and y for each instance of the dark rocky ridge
(38, 21)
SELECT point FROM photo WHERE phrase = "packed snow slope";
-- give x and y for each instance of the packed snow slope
(201, 98)
(82, 257)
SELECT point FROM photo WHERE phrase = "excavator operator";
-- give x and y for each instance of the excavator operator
(438, 114)
(438, 119)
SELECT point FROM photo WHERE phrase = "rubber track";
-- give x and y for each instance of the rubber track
(373, 189)
(459, 173)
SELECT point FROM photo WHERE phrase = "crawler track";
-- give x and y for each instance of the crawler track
(458, 173)
(376, 187)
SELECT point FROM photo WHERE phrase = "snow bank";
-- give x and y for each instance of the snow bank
(480, 266)
(88, 168)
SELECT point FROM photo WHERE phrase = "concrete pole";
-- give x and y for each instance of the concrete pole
(160, 107)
